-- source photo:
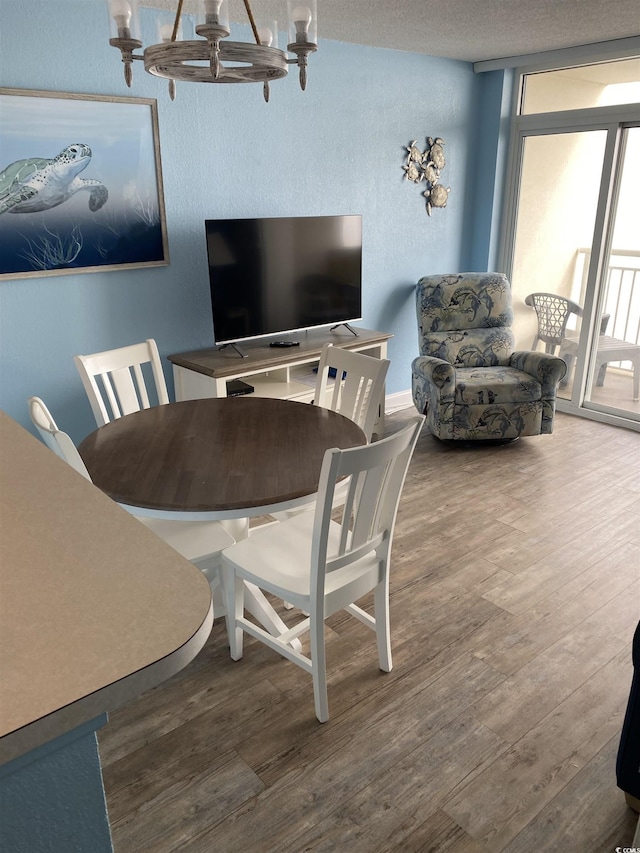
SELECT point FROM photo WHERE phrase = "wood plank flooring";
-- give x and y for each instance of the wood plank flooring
(515, 592)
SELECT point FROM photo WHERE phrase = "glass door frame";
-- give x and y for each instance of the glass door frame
(597, 277)
(614, 120)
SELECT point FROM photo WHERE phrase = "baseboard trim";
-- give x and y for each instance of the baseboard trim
(397, 402)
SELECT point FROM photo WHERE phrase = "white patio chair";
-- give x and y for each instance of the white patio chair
(321, 565)
(122, 379)
(200, 542)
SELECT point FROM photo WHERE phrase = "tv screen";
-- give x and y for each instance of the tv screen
(273, 275)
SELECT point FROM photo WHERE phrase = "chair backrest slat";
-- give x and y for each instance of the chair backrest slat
(123, 384)
(108, 382)
(142, 388)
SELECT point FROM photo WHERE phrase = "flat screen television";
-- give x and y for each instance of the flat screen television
(283, 274)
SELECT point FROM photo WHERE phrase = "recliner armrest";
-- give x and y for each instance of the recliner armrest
(547, 369)
(435, 370)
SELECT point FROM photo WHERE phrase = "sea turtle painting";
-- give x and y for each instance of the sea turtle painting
(35, 184)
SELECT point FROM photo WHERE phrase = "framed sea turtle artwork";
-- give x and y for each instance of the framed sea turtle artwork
(80, 184)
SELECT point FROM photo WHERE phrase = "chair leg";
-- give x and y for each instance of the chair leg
(383, 634)
(234, 600)
(219, 601)
(568, 360)
(602, 372)
(319, 668)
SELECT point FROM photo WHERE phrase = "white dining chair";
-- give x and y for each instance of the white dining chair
(352, 384)
(115, 377)
(323, 565)
(200, 542)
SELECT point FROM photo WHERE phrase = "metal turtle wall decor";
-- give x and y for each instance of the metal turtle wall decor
(426, 166)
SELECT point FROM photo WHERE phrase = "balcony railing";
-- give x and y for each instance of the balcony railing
(621, 296)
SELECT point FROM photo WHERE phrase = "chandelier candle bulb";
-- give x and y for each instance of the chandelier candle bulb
(213, 19)
(121, 13)
(214, 13)
(124, 19)
(301, 19)
(122, 24)
(268, 33)
(165, 31)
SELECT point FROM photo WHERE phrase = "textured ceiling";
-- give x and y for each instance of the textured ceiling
(471, 30)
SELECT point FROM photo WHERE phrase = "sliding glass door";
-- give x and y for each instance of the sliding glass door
(558, 202)
(572, 242)
(614, 354)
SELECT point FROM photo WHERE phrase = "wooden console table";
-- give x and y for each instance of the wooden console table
(285, 374)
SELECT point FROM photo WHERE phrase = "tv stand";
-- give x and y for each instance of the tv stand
(240, 352)
(283, 373)
(347, 326)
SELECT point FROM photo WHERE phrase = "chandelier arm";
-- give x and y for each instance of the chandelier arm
(176, 23)
(252, 21)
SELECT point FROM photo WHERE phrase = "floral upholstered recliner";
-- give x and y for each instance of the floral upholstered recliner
(468, 380)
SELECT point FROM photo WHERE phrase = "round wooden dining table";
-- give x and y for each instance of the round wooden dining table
(218, 458)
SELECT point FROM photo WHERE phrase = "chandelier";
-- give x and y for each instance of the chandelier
(209, 59)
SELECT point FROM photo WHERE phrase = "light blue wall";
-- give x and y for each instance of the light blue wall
(338, 148)
(494, 111)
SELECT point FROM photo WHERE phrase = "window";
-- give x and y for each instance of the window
(584, 87)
